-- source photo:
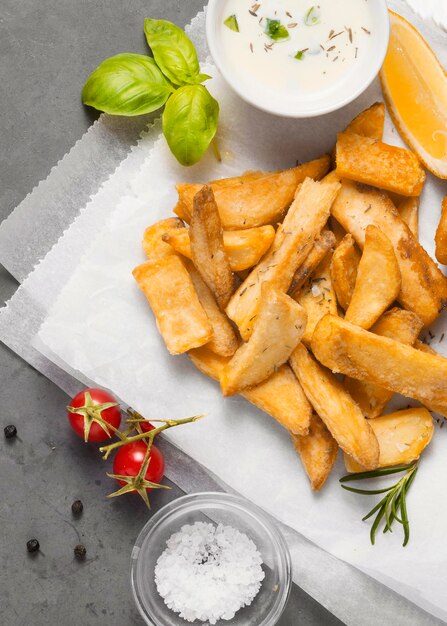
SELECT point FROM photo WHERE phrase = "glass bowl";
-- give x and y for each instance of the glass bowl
(227, 509)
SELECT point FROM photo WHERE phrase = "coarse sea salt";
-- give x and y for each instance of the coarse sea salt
(208, 572)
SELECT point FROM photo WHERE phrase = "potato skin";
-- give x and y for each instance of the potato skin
(348, 349)
(318, 451)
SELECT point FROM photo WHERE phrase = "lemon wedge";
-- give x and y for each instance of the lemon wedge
(414, 86)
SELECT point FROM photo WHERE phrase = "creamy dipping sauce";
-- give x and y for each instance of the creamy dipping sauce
(293, 45)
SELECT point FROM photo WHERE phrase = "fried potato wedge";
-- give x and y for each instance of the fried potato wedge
(224, 340)
(348, 349)
(321, 247)
(344, 266)
(424, 287)
(318, 451)
(317, 298)
(398, 324)
(441, 235)
(293, 241)
(281, 395)
(337, 229)
(378, 280)
(154, 245)
(179, 315)
(409, 211)
(402, 437)
(336, 408)
(369, 123)
(277, 331)
(244, 248)
(366, 160)
(207, 247)
(249, 201)
(424, 347)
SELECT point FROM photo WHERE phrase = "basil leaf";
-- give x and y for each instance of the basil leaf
(190, 122)
(173, 52)
(127, 84)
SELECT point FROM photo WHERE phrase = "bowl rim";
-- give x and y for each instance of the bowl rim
(232, 501)
(379, 57)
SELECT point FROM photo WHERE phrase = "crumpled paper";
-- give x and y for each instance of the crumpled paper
(37, 290)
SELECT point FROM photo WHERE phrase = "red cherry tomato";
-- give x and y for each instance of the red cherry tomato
(89, 405)
(146, 426)
(129, 459)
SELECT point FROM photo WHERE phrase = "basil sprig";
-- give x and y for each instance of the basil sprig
(190, 122)
(173, 52)
(127, 84)
(135, 84)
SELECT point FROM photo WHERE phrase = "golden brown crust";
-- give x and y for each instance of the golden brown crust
(348, 349)
(369, 123)
(254, 200)
(371, 162)
(424, 287)
(441, 235)
(207, 247)
(318, 451)
(336, 408)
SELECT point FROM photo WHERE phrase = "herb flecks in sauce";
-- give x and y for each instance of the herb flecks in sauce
(232, 23)
(313, 17)
(300, 54)
(275, 30)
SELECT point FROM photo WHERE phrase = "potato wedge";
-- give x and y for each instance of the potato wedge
(277, 331)
(348, 349)
(337, 229)
(249, 201)
(378, 280)
(318, 451)
(409, 212)
(293, 242)
(366, 160)
(398, 324)
(321, 247)
(224, 340)
(424, 347)
(441, 235)
(317, 297)
(336, 408)
(244, 248)
(179, 315)
(281, 396)
(402, 437)
(369, 123)
(424, 287)
(153, 243)
(207, 248)
(344, 266)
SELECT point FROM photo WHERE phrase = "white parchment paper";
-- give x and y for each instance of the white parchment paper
(345, 591)
(101, 327)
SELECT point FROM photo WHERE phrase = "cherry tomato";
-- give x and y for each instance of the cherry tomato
(86, 411)
(146, 427)
(129, 459)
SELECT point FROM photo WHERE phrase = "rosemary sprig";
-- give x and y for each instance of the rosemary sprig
(393, 506)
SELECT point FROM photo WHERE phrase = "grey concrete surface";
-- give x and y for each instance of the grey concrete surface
(47, 48)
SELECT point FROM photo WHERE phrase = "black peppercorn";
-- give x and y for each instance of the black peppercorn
(10, 431)
(77, 507)
(80, 552)
(33, 546)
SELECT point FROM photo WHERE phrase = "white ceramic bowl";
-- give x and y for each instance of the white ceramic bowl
(224, 508)
(300, 105)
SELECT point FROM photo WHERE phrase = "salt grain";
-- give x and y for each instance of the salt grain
(208, 572)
